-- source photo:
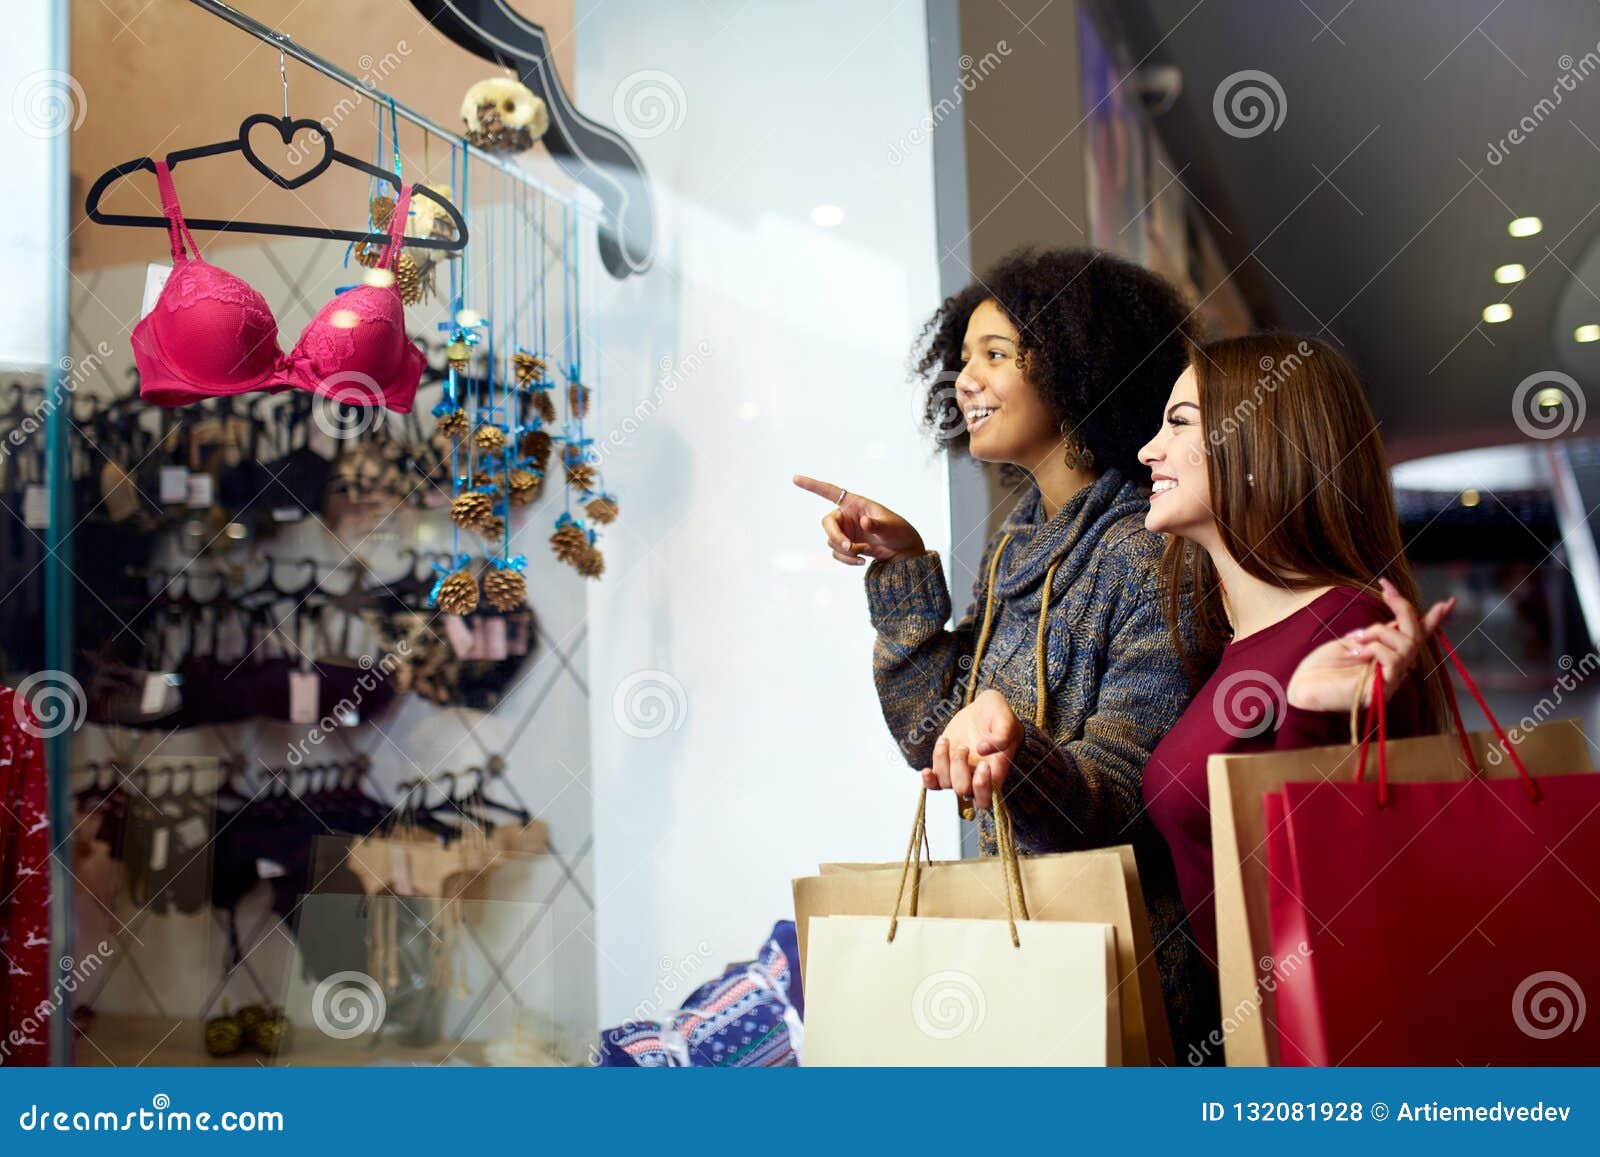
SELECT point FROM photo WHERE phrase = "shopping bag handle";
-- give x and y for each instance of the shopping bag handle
(1010, 868)
(1378, 717)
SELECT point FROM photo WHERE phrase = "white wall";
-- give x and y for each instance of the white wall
(43, 105)
(760, 345)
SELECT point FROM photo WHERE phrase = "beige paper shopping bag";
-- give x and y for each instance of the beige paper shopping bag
(958, 992)
(1100, 886)
(1248, 973)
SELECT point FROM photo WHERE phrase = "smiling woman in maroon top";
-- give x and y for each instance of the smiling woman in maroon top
(1269, 479)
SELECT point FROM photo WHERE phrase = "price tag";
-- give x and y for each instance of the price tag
(201, 487)
(36, 507)
(155, 280)
(173, 484)
(304, 689)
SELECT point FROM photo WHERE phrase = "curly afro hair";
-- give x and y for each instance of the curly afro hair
(1102, 339)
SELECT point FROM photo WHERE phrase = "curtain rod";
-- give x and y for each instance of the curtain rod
(287, 45)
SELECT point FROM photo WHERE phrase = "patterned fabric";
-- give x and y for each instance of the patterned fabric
(1115, 684)
(25, 964)
(749, 1017)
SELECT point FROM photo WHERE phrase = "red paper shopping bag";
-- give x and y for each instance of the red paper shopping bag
(1455, 922)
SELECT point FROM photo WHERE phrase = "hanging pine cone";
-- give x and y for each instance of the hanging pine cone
(578, 399)
(382, 210)
(529, 369)
(458, 594)
(580, 476)
(367, 256)
(407, 277)
(504, 589)
(490, 439)
(569, 542)
(543, 406)
(471, 509)
(591, 563)
(536, 445)
(451, 425)
(602, 509)
(459, 355)
(492, 527)
(522, 486)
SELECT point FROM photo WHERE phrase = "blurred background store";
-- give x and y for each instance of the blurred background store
(683, 734)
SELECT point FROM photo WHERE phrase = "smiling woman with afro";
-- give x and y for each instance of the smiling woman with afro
(1057, 362)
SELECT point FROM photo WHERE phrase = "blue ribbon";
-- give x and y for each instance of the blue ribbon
(445, 572)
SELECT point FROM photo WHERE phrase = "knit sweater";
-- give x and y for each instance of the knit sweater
(1115, 684)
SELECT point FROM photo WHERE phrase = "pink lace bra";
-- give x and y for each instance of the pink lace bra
(211, 335)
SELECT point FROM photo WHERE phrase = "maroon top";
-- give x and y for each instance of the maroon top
(1244, 708)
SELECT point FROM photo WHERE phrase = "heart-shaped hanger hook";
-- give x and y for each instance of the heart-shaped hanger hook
(304, 139)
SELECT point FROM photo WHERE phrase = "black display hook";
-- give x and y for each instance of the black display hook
(590, 153)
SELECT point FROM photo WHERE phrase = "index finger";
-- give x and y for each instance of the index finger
(1405, 614)
(821, 489)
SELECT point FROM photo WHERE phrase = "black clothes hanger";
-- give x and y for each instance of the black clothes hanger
(587, 151)
(287, 129)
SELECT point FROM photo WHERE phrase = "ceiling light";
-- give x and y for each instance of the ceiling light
(1469, 498)
(1506, 274)
(827, 216)
(1549, 398)
(1525, 226)
(1586, 333)
(1499, 311)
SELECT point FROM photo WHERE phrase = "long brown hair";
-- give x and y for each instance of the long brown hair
(1299, 489)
